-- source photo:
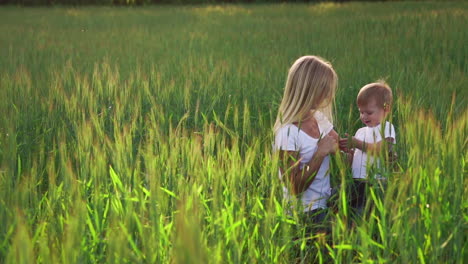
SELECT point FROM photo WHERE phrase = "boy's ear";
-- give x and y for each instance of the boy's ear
(386, 108)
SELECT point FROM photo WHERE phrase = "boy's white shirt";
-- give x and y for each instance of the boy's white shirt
(369, 135)
(291, 138)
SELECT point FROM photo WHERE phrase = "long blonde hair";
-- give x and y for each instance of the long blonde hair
(310, 86)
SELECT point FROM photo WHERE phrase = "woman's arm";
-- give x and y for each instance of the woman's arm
(298, 180)
(335, 135)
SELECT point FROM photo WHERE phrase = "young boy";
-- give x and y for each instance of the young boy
(374, 102)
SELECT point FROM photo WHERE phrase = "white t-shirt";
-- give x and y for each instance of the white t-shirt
(362, 163)
(292, 138)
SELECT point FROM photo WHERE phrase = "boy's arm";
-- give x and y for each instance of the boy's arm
(372, 148)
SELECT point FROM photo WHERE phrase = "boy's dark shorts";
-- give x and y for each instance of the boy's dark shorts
(359, 193)
(316, 221)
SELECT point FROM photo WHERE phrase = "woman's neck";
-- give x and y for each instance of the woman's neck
(309, 116)
(309, 125)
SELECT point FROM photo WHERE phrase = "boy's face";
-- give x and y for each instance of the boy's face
(372, 114)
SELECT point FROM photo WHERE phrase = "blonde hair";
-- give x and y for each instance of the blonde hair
(311, 85)
(378, 91)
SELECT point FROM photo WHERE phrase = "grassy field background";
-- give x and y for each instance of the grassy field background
(143, 135)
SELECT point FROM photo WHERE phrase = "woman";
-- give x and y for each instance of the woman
(304, 135)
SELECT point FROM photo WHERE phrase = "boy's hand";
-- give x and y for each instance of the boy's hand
(392, 155)
(345, 144)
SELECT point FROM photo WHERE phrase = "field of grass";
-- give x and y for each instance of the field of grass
(143, 135)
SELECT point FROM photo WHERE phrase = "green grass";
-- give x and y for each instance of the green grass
(143, 135)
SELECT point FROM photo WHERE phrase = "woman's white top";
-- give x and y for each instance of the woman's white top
(361, 162)
(291, 138)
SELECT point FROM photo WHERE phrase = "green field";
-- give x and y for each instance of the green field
(144, 135)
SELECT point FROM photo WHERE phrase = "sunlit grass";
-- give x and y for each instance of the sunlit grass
(144, 135)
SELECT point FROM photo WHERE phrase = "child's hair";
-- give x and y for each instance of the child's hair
(311, 85)
(378, 91)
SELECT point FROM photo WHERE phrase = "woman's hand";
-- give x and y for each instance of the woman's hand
(299, 179)
(327, 145)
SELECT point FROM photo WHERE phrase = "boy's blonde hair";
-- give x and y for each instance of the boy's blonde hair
(378, 91)
(311, 85)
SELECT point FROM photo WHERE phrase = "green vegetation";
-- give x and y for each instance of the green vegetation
(143, 135)
(157, 2)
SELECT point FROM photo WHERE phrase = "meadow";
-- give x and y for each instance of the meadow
(144, 135)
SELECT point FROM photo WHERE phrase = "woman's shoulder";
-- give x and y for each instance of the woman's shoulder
(287, 129)
(287, 138)
(325, 126)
